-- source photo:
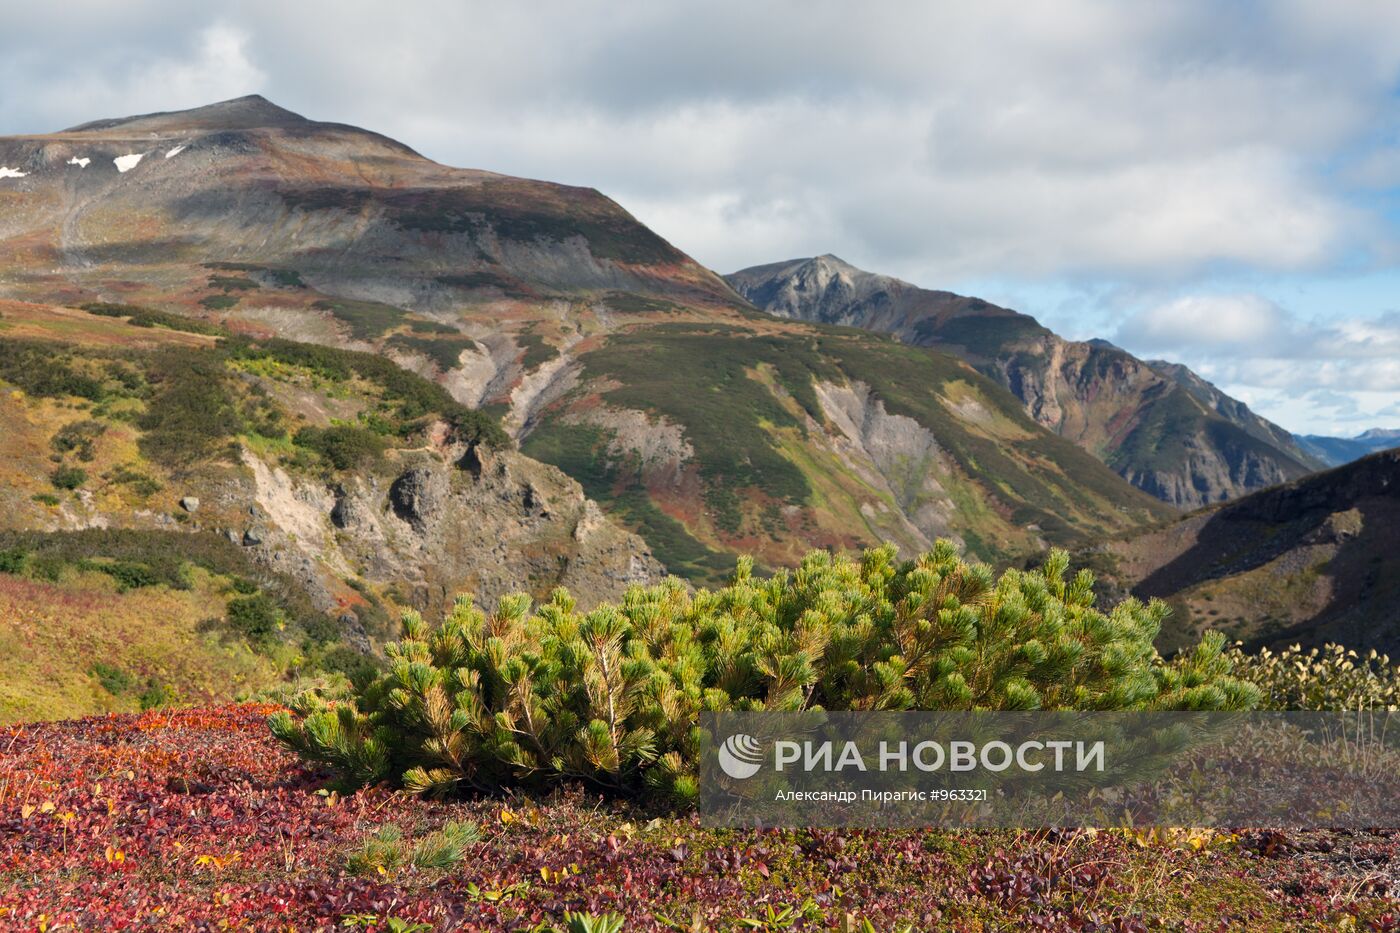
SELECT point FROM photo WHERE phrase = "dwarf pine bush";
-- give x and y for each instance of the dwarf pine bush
(532, 695)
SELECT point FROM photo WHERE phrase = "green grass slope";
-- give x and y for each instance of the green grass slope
(771, 472)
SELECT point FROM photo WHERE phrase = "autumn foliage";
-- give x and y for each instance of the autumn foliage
(196, 820)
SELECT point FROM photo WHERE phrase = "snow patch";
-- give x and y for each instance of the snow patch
(6, 172)
(128, 162)
(80, 163)
(174, 152)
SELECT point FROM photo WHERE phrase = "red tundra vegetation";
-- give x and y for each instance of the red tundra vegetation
(196, 819)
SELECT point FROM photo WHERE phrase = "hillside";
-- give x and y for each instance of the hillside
(84, 644)
(187, 519)
(363, 485)
(1159, 425)
(707, 428)
(1312, 561)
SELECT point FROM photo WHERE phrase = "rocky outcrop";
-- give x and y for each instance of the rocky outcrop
(431, 530)
(1208, 477)
(417, 496)
(895, 455)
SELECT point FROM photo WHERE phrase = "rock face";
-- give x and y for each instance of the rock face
(895, 454)
(1159, 425)
(1311, 561)
(433, 530)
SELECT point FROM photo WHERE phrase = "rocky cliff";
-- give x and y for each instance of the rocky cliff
(424, 519)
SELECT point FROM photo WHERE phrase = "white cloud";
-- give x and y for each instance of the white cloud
(1023, 140)
(206, 64)
(1335, 377)
(1207, 322)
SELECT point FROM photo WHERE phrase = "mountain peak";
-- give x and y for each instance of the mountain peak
(241, 113)
(834, 263)
(1095, 394)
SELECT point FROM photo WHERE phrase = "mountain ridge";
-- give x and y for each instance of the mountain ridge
(1159, 425)
(1335, 451)
(247, 112)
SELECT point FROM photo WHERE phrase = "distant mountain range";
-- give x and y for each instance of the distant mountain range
(1335, 451)
(1157, 424)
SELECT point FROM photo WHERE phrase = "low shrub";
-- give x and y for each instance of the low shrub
(12, 560)
(367, 320)
(129, 574)
(386, 851)
(611, 697)
(413, 396)
(356, 666)
(445, 352)
(48, 567)
(255, 617)
(138, 316)
(193, 412)
(232, 283)
(578, 922)
(1329, 678)
(47, 370)
(79, 437)
(138, 482)
(344, 447)
(68, 477)
(219, 302)
(113, 679)
(157, 695)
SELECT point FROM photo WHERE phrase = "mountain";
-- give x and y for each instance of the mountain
(1312, 561)
(160, 194)
(1159, 425)
(1334, 451)
(697, 423)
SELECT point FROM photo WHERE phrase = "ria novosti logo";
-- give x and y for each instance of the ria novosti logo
(741, 756)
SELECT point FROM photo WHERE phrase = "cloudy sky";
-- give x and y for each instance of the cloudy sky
(1211, 183)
